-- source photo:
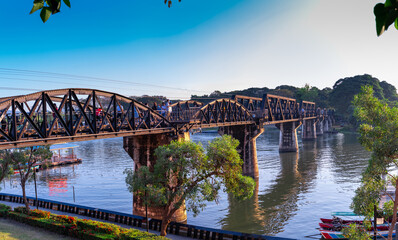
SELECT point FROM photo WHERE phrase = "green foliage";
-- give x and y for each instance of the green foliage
(48, 7)
(184, 172)
(149, 100)
(307, 93)
(100, 227)
(5, 164)
(78, 228)
(344, 90)
(356, 232)
(24, 159)
(367, 195)
(4, 209)
(379, 134)
(23, 210)
(133, 234)
(386, 14)
(39, 213)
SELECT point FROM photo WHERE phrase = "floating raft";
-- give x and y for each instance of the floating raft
(63, 154)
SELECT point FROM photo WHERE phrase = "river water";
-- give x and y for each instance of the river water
(294, 189)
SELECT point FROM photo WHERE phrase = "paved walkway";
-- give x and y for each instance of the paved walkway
(171, 236)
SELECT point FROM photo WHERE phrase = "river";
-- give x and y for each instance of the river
(294, 189)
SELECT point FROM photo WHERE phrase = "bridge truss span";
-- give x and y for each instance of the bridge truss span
(67, 115)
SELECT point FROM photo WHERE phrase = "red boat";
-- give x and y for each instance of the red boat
(330, 226)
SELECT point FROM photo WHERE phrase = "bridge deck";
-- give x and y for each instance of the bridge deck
(68, 115)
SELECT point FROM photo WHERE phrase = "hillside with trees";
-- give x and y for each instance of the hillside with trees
(338, 98)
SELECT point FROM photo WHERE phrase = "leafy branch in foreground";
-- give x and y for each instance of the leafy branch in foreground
(386, 14)
(48, 7)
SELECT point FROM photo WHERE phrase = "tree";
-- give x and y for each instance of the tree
(5, 164)
(307, 93)
(48, 7)
(379, 134)
(386, 14)
(24, 160)
(184, 173)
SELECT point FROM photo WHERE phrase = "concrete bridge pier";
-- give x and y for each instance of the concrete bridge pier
(288, 136)
(141, 149)
(319, 127)
(246, 135)
(309, 129)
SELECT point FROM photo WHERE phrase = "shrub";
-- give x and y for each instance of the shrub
(99, 227)
(77, 228)
(40, 213)
(133, 234)
(21, 210)
(4, 207)
(64, 219)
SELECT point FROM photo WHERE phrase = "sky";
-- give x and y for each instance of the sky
(138, 48)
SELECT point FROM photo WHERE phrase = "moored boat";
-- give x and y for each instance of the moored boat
(339, 235)
(331, 226)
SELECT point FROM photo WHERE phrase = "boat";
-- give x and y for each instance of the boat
(339, 235)
(331, 226)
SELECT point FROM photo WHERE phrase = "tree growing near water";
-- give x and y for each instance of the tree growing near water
(379, 134)
(23, 160)
(185, 173)
(5, 164)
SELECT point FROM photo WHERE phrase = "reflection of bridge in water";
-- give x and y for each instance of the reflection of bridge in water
(271, 209)
(69, 115)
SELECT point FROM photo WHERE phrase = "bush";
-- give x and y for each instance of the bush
(133, 234)
(99, 227)
(40, 213)
(64, 219)
(4, 207)
(21, 210)
(77, 228)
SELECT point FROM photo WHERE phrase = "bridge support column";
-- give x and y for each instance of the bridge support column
(288, 136)
(141, 149)
(309, 129)
(246, 135)
(319, 127)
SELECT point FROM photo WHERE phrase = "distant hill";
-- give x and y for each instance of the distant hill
(339, 97)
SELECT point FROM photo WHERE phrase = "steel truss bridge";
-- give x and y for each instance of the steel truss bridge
(68, 115)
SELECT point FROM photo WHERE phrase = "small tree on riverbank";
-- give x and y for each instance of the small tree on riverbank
(5, 164)
(379, 134)
(24, 159)
(184, 173)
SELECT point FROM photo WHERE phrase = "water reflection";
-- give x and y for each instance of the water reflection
(271, 207)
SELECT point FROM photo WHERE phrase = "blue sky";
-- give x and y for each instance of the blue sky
(142, 47)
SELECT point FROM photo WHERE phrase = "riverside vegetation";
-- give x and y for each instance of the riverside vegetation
(74, 227)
